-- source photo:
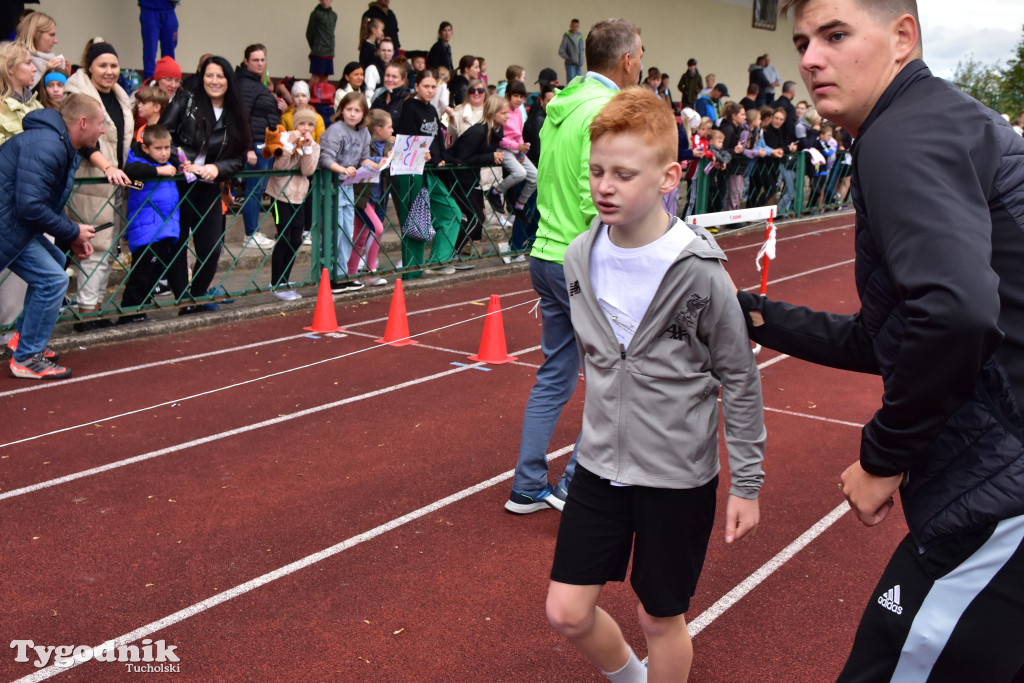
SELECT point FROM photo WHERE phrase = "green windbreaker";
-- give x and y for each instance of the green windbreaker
(563, 170)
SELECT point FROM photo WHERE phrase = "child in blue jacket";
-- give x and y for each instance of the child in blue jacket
(153, 217)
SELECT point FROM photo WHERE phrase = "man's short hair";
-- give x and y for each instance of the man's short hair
(788, 86)
(153, 93)
(76, 105)
(881, 9)
(154, 133)
(608, 41)
(637, 110)
(691, 62)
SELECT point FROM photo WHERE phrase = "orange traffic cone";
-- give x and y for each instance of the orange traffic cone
(324, 317)
(397, 331)
(492, 343)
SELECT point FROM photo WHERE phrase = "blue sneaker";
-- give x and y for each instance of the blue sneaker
(525, 502)
(220, 291)
(558, 497)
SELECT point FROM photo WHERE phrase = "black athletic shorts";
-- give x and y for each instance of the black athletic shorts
(667, 531)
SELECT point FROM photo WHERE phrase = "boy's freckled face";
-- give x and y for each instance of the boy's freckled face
(625, 179)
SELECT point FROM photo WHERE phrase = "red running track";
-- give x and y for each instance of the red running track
(283, 507)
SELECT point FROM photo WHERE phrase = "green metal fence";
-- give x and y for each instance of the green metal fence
(475, 231)
(468, 229)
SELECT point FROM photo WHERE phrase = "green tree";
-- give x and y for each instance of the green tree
(980, 81)
(1011, 84)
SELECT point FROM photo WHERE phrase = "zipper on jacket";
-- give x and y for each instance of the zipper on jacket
(622, 351)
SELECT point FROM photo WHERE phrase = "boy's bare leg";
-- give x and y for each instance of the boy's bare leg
(573, 612)
(669, 648)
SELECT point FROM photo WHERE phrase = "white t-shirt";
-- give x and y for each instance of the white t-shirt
(626, 280)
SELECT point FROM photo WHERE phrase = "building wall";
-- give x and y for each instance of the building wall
(717, 33)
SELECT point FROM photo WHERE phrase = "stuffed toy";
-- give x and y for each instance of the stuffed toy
(274, 146)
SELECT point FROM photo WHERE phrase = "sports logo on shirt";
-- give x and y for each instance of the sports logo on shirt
(574, 288)
(686, 320)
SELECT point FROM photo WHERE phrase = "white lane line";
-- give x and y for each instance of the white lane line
(135, 368)
(815, 233)
(259, 581)
(207, 354)
(772, 361)
(803, 274)
(234, 432)
(831, 420)
(457, 352)
(716, 610)
(469, 302)
(248, 381)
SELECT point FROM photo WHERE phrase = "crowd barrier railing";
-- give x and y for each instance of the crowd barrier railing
(468, 228)
(473, 230)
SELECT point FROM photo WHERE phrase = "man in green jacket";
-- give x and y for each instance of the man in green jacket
(613, 52)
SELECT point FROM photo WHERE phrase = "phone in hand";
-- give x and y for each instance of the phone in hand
(104, 226)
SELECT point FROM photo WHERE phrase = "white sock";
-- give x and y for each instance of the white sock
(634, 671)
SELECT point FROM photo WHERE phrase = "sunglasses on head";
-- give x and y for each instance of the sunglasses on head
(476, 91)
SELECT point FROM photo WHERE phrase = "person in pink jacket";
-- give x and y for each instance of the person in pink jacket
(516, 164)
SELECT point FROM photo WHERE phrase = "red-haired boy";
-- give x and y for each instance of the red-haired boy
(660, 332)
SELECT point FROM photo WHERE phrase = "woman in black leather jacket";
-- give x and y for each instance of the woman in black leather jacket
(213, 132)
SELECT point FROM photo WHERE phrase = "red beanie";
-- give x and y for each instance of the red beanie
(166, 67)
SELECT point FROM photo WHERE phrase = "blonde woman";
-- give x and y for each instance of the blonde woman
(39, 32)
(17, 74)
(16, 100)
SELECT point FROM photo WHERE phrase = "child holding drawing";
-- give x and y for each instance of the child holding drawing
(419, 117)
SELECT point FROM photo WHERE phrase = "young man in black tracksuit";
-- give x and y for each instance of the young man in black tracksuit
(940, 243)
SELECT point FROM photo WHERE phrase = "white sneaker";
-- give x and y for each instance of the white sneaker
(288, 295)
(376, 282)
(259, 240)
(518, 259)
(307, 239)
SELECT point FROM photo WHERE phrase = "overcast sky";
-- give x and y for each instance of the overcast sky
(953, 30)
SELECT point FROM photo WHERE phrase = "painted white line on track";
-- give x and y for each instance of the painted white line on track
(234, 432)
(716, 610)
(457, 352)
(253, 380)
(255, 345)
(145, 366)
(814, 233)
(830, 420)
(803, 274)
(259, 581)
(772, 361)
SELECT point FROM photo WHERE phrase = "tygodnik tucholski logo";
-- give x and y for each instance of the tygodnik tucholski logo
(154, 657)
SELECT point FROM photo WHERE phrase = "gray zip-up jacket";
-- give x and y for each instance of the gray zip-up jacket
(651, 412)
(571, 48)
